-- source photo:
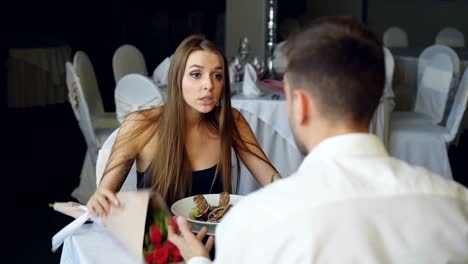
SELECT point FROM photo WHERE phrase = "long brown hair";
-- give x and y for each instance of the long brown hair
(169, 171)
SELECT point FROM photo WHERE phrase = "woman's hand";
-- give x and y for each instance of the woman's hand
(100, 202)
(190, 245)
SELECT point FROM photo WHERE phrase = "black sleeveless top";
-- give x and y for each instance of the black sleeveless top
(201, 181)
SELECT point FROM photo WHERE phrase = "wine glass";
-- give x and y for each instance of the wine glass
(259, 66)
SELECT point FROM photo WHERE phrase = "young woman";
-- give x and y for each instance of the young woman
(184, 147)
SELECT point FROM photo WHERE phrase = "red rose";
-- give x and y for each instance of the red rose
(175, 254)
(174, 251)
(161, 255)
(149, 257)
(155, 235)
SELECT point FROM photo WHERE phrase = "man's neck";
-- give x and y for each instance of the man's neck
(322, 132)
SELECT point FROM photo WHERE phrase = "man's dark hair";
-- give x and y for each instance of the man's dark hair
(341, 64)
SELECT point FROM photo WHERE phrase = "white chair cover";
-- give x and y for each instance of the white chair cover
(421, 145)
(128, 59)
(451, 37)
(85, 71)
(395, 37)
(160, 73)
(426, 144)
(427, 55)
(72, 83)
(136, 92)
(102, 159)
(433, 87)
(94, 137)
(424, 58)
(429, 52)
(458, 109)
(379, 124)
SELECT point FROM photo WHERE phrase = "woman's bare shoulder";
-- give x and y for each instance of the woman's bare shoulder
(138, 124)
(238, 117)
(236, 114)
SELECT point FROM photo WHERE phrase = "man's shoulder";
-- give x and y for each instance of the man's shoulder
(418, 179)
(264, 203)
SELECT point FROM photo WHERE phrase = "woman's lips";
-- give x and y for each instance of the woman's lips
(206, 100)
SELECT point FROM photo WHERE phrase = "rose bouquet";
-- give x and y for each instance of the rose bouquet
(156, 248)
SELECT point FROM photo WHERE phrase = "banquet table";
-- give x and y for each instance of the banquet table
(36, 75)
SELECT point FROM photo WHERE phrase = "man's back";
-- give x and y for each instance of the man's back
(350, 202)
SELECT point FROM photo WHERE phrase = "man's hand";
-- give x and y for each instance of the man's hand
(190, 245)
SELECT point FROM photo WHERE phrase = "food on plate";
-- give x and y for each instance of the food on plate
(203, 211)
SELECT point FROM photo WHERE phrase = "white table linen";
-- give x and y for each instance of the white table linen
(92, 243)
(269, 122)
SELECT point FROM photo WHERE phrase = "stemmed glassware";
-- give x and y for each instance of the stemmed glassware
(259, 66)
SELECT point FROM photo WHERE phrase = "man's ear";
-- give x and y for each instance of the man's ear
(301, 106)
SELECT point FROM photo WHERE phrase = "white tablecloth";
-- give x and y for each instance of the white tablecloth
(93, 244)
(269, 121)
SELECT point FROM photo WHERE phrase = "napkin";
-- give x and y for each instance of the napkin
(249, 85)
(279, 60)
(160, 73)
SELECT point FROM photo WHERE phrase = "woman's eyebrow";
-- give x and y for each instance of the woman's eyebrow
(196, 66)
(201, 67)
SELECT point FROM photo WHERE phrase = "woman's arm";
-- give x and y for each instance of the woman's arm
(254, 159)
(123, 154)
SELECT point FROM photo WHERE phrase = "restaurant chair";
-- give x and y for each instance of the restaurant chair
(451, 37)
(130, 182)
(128, 59)
(426, 144)
(136, 92)
(94, 136)
(379, 124)
(85, 71)
(395, 37)
(438, 73)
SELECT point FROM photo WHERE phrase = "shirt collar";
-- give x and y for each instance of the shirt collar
(353, 144)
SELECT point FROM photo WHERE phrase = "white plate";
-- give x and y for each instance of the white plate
(184, 206)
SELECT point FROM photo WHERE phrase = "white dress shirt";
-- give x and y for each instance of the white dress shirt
(349, 202)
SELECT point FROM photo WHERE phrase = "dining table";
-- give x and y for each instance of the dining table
(36, 73)
(267, 116)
